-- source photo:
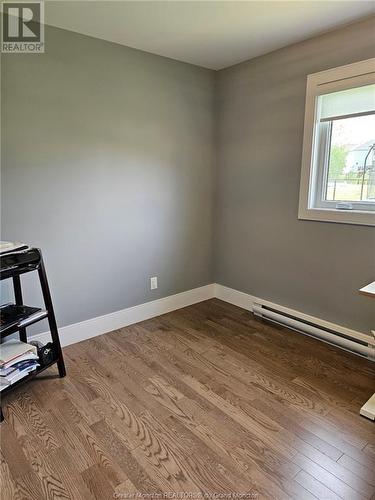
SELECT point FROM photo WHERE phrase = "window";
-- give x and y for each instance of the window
(338, 164)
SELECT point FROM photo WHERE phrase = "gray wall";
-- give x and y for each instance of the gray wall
(107, 165)
(260, 246)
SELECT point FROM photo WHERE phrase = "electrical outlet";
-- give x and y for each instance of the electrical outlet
(154, 282)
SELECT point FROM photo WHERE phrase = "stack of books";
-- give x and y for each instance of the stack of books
(17, 360)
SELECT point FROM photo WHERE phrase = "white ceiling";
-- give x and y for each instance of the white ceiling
(213, 34)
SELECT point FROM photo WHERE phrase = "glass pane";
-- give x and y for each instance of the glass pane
(351, 168)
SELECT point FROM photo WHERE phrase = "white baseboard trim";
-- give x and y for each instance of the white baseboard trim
(246, 301)
(240, 299)
(102, 324)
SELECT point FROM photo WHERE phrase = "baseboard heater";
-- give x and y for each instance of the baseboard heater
(364, 345)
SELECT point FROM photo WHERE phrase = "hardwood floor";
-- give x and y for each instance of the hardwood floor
(204, 400)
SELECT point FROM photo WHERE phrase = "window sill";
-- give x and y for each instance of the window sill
(340, 216)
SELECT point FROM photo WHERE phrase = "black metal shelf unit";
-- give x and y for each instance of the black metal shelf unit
(13, 265)
(14, 317)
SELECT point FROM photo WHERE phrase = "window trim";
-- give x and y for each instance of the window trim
(341, 78)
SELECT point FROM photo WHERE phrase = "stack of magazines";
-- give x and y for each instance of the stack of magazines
(9, 246)
(17, 360)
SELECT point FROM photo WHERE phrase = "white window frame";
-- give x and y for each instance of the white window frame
(311, 203)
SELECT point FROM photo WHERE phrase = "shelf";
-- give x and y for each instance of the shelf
(23, 316)
(368, 290)
(19, 262)
(10, 272)
(28, 377)
(13, 265)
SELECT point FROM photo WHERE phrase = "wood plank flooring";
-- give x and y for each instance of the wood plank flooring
(204, 400)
